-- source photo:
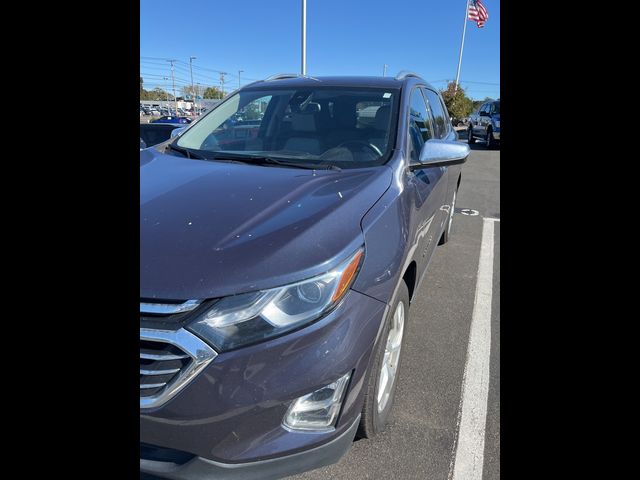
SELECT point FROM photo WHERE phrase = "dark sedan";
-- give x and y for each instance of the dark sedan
(172, 119)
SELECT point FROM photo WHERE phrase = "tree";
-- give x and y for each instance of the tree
(187, 91)
(457, 102)
(212, 93)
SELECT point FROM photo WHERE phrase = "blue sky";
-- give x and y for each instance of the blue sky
(358, 37)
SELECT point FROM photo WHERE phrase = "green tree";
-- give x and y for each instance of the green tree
(212, 93)
(456, 101)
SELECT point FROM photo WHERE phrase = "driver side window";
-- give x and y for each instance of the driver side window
(419, 125)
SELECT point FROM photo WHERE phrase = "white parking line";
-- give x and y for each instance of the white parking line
(469, 456)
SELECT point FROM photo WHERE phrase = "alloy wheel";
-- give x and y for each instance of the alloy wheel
(389, 370)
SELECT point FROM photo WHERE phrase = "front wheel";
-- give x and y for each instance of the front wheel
(385, 366)
(470, 138)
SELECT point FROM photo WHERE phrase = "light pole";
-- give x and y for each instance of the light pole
(304, 38)
(384, 70)
(191, 59)
(239, 72)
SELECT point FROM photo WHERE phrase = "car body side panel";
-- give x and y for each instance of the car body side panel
(405, 225)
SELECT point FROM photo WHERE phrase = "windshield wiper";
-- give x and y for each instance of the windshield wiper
(265, 160)
(185, 151)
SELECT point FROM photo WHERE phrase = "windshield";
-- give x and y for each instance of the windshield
(342, 126)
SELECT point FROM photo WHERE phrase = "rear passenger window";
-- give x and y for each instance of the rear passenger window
(419, 127)
(437, 110)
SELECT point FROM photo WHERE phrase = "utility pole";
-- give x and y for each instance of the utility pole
(191, 59)
(173, 81)
(304, 38)
(222, 74)
(384, 70)
(239, 72)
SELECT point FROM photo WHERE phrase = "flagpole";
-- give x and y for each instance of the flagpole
(464, 30)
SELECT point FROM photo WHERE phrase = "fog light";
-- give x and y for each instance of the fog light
(317, 411)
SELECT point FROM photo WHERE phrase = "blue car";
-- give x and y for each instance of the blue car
(278, 263)
(172, 119)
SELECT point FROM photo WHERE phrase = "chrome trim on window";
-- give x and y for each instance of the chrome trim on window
(168, 308)
(201, 355)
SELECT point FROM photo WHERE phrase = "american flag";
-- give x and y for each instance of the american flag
(478, 13)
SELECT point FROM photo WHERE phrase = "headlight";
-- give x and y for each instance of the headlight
(248, 318)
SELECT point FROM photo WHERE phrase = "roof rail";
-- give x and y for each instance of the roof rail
(405, 73)
(282, 76)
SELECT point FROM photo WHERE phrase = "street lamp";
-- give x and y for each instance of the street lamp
(239, 72)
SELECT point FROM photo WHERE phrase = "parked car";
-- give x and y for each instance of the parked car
(277, 271)
(172, 119)
(485, 124)
(154, 133)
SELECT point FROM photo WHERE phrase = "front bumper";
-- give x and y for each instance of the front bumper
(200, 468)
(232, 411)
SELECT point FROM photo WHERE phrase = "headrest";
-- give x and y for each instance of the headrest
(382, 117)
(344, 114)
(303, 122)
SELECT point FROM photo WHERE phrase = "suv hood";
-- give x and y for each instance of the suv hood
(210, 229)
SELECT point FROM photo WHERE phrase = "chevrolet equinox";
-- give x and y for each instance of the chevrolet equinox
(282, 239)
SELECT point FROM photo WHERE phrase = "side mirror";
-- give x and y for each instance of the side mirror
(143, 144)
(176, 132)
(442, 153)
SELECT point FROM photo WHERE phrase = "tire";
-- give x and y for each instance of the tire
(374, 419)
(444, 238)
(491, 143)
(470, 138)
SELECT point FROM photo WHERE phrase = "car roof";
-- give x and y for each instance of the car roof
(331, 81)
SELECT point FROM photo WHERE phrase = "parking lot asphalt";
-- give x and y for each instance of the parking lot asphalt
(421, 439)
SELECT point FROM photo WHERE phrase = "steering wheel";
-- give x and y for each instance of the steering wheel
(358, 146)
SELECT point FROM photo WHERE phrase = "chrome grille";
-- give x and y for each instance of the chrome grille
(160, 363)
(169, 359)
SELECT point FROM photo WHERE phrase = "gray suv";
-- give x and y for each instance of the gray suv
(485, 124)
(283, 238)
